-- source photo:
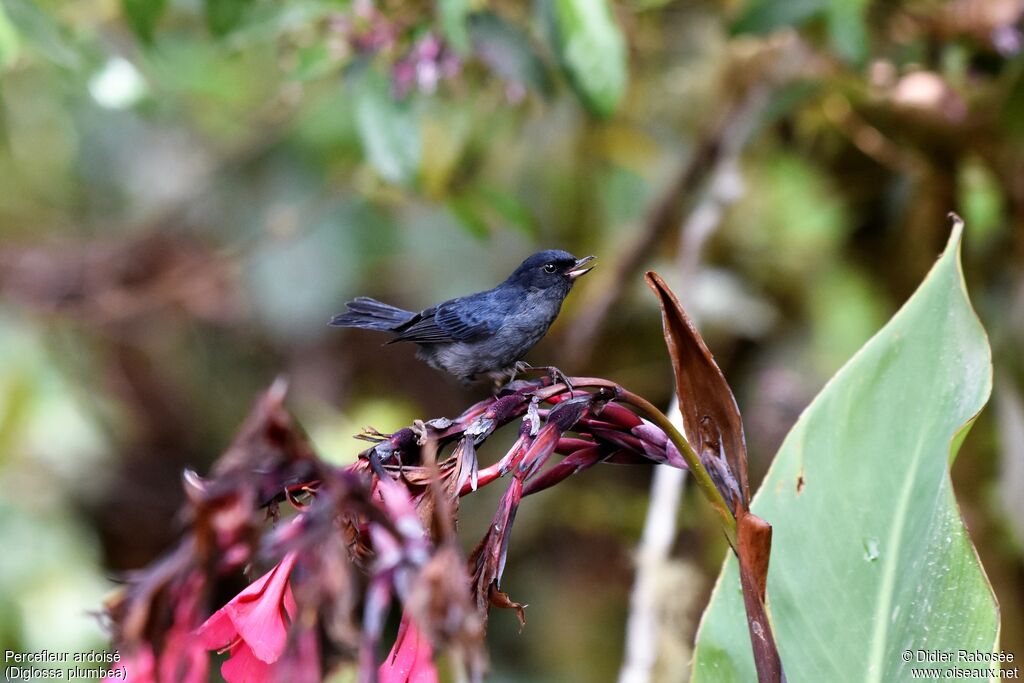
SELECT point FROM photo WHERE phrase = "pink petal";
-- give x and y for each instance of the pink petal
(217, 632)
(290, 608)
(184, 659)
(411, 659)
(259, 615)
(301, 663)
(244, 667)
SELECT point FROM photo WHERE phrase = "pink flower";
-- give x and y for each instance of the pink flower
(139, 667)
(253, 626)
(411, 659)
(301, 663)
(182, 658)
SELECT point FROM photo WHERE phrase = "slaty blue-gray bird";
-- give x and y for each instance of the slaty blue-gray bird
(486, 333)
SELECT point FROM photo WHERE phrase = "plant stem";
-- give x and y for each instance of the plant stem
(697, 469)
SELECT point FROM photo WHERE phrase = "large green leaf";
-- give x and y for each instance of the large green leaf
(870, 557)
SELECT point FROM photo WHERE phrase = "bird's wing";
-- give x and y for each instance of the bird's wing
(456, 320)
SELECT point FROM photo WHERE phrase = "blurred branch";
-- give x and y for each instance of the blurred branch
(652, 556)
(868, 138)
(1010, 422)
(645, 621)
(112, 281)
(719, 147)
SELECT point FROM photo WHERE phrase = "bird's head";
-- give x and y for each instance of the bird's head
(552, 269)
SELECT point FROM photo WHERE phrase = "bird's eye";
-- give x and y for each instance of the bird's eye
(549, 267)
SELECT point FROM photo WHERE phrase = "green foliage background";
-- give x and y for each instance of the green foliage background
(189, 189)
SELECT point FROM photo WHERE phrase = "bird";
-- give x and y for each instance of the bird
(481, 334)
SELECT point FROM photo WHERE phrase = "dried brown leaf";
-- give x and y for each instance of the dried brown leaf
(710, 415)
(501, 599)
(715, 429)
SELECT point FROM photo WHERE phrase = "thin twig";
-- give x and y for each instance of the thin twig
(729, 135)
(777, 63)
(644, 623)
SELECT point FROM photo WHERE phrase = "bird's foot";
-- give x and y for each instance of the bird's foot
(519, 367)
(504, 379)
(554, 373)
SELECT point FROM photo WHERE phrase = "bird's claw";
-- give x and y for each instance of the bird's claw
(419, 428)
(559, 376)
(554, 374)
(520, 366)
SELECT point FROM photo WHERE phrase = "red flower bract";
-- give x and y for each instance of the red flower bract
(364, 536)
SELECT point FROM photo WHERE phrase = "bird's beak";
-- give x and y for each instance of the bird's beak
(580, 267)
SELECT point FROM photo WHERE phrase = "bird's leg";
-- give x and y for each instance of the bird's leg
(557, 376)
(503, 378)
(554, 373)
(518, 367)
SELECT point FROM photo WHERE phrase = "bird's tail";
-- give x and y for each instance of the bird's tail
(370, 314)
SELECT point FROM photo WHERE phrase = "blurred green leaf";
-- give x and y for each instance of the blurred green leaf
(326, 128)
(870, 554)
(389, 130)
(223, 16)
(454, 14)
(622, 193)
(847, 31)
(9, 42)
(981, 200)
(267, 22)
(845, 307)
(314, 61)
(445, 130)
(765, 16)
(55, 578)
(469, 215)
(508, 51)
(482, 210)
(592, 52)
(41, 31)
(509, 208)
(143, 16)
(225, 86)
(790, 243)
(1012, 114)
(16, 405)
(845, 21)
